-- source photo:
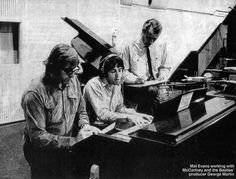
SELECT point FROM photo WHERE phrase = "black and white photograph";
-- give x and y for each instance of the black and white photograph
(117, 89)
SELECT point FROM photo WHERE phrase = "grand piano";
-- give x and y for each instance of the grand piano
(176, 145)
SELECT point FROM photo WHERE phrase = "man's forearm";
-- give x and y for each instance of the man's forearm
(129, 77)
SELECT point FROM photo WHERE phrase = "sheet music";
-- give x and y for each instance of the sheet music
(108, 128)
(147, 83)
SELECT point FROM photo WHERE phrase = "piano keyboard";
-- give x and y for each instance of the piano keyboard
(124, 135)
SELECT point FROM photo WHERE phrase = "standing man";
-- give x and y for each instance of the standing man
(55, 115)
(103, 94)
(145, 60)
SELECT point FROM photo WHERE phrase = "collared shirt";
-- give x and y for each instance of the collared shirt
(136, 63)
(51, 113)
(106, 101)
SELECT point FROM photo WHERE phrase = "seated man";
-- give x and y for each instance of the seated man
(55, 115)
(103, 94)
(146, 59)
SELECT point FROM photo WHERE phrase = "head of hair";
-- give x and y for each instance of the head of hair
(108, 62)
(154, 24)
(60, 56)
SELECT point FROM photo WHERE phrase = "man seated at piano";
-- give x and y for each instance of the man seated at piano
(146, 59)
(55, 115)
(103, 95)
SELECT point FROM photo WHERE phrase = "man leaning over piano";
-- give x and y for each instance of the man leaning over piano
(103, 96)
(145, 60)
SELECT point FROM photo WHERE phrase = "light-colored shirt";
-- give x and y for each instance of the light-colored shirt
(136, 63)
(106, 101)
(52, 113)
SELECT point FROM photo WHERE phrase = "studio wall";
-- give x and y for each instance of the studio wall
(186, 26)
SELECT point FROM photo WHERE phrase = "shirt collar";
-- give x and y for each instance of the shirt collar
(104, 83)
(141, 44)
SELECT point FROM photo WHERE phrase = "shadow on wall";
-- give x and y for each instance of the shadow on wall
(13, 163)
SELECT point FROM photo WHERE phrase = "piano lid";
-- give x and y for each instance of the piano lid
(88, 44)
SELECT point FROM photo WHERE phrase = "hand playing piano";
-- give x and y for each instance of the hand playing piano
(147, 117)
(140, 119)
(84, 133)
(87, 131)
(90, 128)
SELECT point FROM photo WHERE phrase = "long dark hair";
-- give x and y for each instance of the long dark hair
(60, 56)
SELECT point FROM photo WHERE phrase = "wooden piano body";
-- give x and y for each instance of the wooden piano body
(203, 134)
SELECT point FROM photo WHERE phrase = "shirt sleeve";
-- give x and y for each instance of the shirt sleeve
(81, 114)
(95, 97)
(35, 117)
(128, 76)
(165, 67)
(123, 109)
